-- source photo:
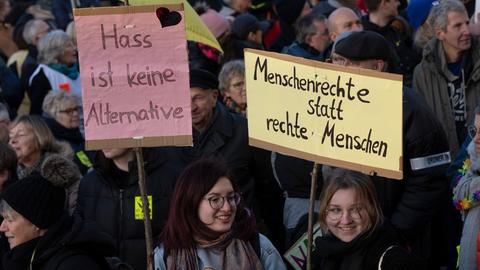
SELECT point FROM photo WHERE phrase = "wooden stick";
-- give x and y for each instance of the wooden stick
(145, 207)
(311, 209)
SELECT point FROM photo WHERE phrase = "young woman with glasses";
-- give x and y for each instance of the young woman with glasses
(356, 234)
(208, 226)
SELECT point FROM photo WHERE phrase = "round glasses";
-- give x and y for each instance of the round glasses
(70, 111)
(336, 213)
(217, 202)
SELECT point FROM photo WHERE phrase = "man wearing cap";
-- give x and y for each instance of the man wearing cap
(217, 132)
(411, 203)
(448, 76)
(312, 38)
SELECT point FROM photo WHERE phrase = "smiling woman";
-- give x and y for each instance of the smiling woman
(220, 234)
(357, 236)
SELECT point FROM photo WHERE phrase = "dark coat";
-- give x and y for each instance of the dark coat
(111, 200)
(364, 252)
(82, 158)
(227, 138)
(71, 244)
(411, 203)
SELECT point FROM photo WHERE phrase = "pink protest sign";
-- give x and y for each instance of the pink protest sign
(134, 75)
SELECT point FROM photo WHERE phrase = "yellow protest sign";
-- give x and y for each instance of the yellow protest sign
(196, 29)
(344, 117)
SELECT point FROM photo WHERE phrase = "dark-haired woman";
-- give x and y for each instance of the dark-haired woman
(208, 228)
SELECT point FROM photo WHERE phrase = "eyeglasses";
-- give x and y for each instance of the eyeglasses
(336, 213)
(70, 111)
(472, 131)
(217, 202)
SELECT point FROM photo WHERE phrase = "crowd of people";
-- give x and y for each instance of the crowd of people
(223, 204)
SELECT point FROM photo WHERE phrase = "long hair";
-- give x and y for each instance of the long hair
(44, 139)
(363, 186)
(183, 222)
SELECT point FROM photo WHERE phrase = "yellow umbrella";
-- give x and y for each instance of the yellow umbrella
(196, 29)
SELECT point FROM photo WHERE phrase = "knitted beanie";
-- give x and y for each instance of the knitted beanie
(37, 200)
(216, 22)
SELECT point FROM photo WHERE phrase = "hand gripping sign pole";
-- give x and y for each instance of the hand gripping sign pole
(145, 207)
(311, 208)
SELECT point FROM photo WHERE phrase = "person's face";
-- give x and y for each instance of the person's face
(18, 229)
(391, 7)
(42, 30)
(218, 220)
(237, 91)
(346, 218)
(241, 5)
(69, 56)
(372, 64)
(69, 116)
(320, 39)
(345, 21)
(203, 104)
(457, 36)
(115, 153)
(24, 143)
(256, 37)
(5, 10)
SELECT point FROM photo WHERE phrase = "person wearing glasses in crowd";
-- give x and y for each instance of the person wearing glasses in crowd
(356, 234)
(62, 115)
(209, 227)
(231, 83)
(466, 197)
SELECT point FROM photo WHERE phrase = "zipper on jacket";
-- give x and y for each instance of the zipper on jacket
(120, 224)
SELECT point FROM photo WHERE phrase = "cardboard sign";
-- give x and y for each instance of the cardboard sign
(297, 254)
(134, 75)
(196, 29)
(329, 114)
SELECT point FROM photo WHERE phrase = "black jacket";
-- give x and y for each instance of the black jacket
(364, 252)
(111, 199)
(83, 159)
(411, 202)
(71, 244)
(227, 138)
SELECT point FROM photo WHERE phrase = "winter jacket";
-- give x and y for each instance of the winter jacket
(270, 258)
(408, 57)
(303, 50)
(43, 80)
(82, 158)
(431, 78)
(113, 201)
(226, 137)
(70, 244)
(368, 251)
(410, 204)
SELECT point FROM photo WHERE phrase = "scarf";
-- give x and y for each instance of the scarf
(71, 72)
(71, 135)
(235, 254)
